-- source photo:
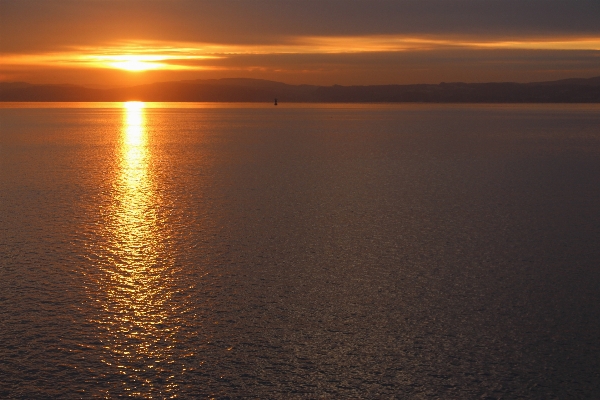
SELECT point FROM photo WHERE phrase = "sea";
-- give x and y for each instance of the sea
(299, 251)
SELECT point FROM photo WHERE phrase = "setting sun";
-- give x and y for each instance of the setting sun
(135, 62)
(135, 65)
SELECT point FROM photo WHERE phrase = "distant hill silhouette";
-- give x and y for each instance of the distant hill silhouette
(578, 90)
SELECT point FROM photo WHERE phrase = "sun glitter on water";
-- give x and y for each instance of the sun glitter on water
(136, 275)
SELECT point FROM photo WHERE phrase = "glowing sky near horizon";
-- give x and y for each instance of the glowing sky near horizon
(112, 42)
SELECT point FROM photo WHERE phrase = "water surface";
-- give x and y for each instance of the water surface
(299, 251)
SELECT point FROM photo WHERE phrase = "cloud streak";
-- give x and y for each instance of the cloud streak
(182, 56)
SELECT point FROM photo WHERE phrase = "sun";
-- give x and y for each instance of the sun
(135, 63)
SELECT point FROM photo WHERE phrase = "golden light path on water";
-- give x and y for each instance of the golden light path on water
(137, 284)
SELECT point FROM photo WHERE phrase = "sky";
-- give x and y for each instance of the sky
(107, 43)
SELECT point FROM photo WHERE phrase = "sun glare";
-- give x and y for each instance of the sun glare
(134, 105)
(132, 65)
(135, 63)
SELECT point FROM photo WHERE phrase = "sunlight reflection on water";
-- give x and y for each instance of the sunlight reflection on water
(137, 279)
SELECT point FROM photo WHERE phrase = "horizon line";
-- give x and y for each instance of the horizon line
(109, 87)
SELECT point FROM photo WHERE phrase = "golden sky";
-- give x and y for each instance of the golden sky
(120, 42)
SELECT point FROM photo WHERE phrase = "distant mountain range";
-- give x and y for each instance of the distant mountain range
(256, 90)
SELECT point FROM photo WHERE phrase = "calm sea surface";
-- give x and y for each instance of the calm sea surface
(299, 251)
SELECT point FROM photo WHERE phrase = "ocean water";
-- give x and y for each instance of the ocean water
(299, 251)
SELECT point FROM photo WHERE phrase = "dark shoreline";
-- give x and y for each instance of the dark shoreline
(254, 90)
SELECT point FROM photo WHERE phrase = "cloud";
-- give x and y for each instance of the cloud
(34, 25)
(399, 40)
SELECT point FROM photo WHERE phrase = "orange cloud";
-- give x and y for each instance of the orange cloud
(134, 57)
(146, 55)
